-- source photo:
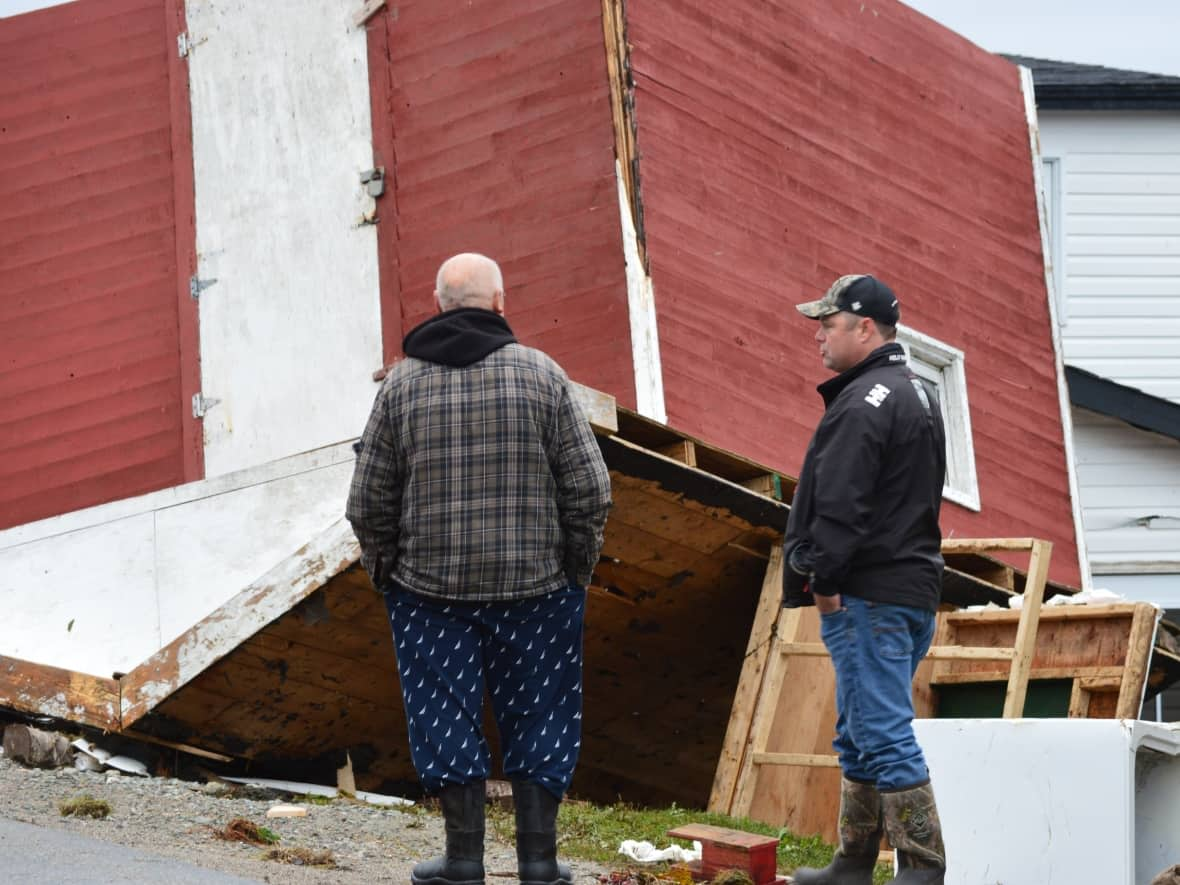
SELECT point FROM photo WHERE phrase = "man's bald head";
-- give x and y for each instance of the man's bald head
(469, 280)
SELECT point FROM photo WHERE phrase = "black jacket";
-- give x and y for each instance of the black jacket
(871, 486)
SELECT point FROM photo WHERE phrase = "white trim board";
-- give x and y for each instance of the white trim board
(1075, 498)
(641, 303)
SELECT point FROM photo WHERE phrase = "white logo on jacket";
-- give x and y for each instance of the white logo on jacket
(877, 395)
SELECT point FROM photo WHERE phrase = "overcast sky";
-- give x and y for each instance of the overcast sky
(1139, 35)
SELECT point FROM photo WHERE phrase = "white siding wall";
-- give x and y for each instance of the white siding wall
(290, 332)
(1130, 488)
(1120, 211)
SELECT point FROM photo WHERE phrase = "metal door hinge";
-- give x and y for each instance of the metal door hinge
(196, 286)
(182, 45)
(202, 404)
(374, 181)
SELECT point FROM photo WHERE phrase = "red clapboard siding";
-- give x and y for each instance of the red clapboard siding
(97, 343)
(496, 120)
(783, 144)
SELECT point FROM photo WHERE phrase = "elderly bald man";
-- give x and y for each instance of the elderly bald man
(479, 500)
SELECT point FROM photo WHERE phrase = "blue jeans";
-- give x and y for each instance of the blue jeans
(527, 653)
(875, 650)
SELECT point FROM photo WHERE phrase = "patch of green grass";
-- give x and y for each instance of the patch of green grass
(314, 799)
(84, 806)
(594, 832)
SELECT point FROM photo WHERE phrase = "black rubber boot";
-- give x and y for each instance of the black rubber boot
(536, 836)
(860, 840)
(463, 810)
(911, 820)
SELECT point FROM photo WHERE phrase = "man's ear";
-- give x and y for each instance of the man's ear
(498, 302)
(437, 303)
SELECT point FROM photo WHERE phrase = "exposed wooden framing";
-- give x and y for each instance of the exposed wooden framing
(769, 484)
(1101, 683)
(1026, 631)
(175, 745)
(1056, 613)
(599, 407)
(603, 593)
(985, 545)
(683, 451)
(1037, 673)
(1143, 627)
(812, 760)
(653, 435)
(63, 694)
(749, 688)
(762, 720)
(937, 652)
(750, 550)
(765, 791)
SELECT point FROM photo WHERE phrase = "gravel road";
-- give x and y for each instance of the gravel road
(176, 819)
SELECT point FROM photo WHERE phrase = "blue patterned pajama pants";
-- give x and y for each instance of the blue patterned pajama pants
(529, 655)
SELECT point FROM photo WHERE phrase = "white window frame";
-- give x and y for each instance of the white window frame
(943, 366)
(1055, 221)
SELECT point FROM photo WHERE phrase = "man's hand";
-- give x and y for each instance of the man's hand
(827, 604)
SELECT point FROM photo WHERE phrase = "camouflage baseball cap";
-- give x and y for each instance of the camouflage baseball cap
(856, 293)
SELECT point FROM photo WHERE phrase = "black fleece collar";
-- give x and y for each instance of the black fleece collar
(458, 337)
(887, 354)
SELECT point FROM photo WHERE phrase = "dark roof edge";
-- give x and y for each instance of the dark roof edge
(1106, 98)
(1062, 85)
(1106, 397)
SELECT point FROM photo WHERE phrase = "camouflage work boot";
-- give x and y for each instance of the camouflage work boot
(911, 820)
(860, 839)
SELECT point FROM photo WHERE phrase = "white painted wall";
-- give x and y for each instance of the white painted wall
(1130, 491)
(290, 332)
(1055, 801)
(99, 590)
(1120, 236)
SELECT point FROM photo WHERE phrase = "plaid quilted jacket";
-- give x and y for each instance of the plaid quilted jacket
(479, 482)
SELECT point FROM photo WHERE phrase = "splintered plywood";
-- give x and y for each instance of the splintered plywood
(63, 694)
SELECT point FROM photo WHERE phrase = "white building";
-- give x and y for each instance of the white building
(1110, 141)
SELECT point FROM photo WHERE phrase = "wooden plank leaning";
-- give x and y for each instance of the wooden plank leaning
(1026, 630)
(749, 690)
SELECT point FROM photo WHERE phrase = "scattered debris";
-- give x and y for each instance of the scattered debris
(629, 877)
(286, 811)
(84, 806)
(36, 748)
(295, 788)
(302, 857)
(241, 830)
(732, 877)
(645, 852)
(89, 756)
